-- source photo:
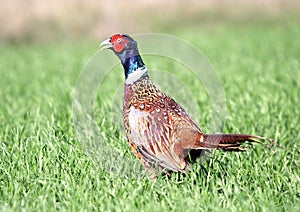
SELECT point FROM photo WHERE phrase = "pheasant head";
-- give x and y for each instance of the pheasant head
(126, 50)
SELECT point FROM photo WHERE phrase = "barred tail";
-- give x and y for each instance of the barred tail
(233, 142)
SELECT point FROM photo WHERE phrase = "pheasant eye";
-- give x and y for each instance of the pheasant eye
(119, 40)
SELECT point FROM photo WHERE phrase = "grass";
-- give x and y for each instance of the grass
(44, 167)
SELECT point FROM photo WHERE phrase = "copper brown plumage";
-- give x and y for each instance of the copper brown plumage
(159, 131)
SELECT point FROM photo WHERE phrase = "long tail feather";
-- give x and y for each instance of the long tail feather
(233, 142)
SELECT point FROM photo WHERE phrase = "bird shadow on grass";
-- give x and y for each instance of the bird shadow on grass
(202, 165)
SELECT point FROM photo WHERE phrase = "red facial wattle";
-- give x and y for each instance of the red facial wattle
(119, 43)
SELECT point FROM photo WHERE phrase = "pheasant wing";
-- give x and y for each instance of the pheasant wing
(153, 135)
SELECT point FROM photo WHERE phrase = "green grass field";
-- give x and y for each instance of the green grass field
(44, 167)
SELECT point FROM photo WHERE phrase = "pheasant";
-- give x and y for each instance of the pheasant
(159, 131)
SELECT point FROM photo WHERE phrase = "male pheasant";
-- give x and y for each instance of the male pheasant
(161, 134)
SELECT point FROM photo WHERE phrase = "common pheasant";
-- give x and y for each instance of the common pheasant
(159, 131)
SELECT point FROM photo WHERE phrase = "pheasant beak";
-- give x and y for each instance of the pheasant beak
(106, 44)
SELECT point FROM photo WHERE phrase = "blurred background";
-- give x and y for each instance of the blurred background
(42, 21)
